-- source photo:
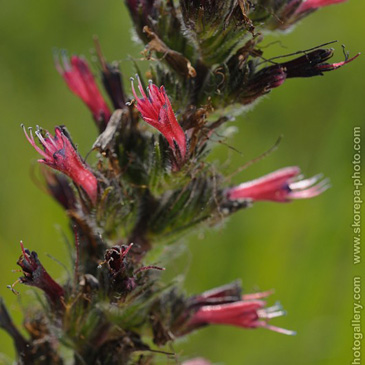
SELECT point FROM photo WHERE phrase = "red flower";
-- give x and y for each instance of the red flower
(60, 154)
(247, 313)
(279, 186)
(82, 83)
(315, 4)
(156, 110)
(36, 275)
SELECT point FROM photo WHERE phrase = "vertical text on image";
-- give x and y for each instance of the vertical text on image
(357, 199)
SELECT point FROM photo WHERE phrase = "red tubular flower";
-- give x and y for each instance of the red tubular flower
(246, 313)
(60, 154)
(156, 110)
(280, 186)
(315, 4)
(81, 82)
(36, 275)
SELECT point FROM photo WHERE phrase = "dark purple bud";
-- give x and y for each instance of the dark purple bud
(313, 64)
(262, 82)
(224, 294)
(112, 79)
(115, 257)
(123, 275)
(59, 187)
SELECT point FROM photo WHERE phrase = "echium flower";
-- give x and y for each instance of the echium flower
(36, 275)
(249, 311)
(60, 154)
(307, 5)
(280, 186)
(81, 82)
(295, 10)
(156, 110)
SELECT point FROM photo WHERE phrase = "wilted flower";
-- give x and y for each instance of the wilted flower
(59, 153)
(36, 275)
(81, 82)
(156, 110)
(121, 270)
(247, 313)
(280, 186)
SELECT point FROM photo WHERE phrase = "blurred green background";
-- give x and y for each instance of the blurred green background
(302, 249)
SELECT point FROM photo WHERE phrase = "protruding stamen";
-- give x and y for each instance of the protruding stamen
(125, 252)
(11, 287)
(280, 330)
(303, 184)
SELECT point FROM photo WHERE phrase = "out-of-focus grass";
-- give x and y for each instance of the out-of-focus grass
(302, 249)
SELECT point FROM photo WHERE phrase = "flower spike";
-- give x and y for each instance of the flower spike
(60, 154)
(280, 186)
(156, 110)
(81, 82)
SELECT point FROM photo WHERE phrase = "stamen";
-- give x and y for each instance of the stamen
(265, 315)
(11, 287)
(254, 296)
(56, 60)
(303, 184)
(125, 253)
(65, 61)
(25, 255)
(101, 264)
(50, 138)
(40, 137)
(280, 330)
